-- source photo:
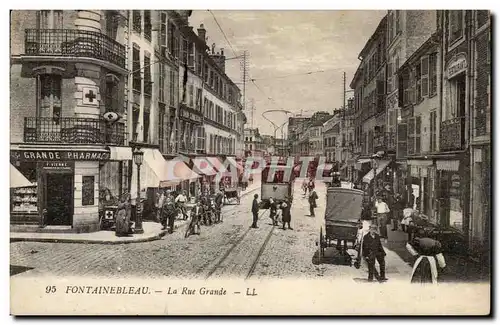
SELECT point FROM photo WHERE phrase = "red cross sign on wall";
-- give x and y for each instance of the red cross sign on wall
(90, 96)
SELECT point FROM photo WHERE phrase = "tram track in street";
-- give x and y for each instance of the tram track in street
(227, 254)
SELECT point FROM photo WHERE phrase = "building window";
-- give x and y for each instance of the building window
(137, 21)
(433, 128)
(50, 97)
(191, 55)
(112, 99)
(174, 84)
(418, 83)
(148, 83)
(145, 124)
(184, 50)
(198, 99)
(161, 127)
(171, 40)
(88, 190)
(111, 24)
(414, 135)
(191, 95)
(199, 65)
(455, 98)
(135, 121)
(163, 32)
(432, 74)
(424, 76)
(147, 24)
(402, 138)
(50, 19)
(136, 66)
(456, 25)
(161, 83)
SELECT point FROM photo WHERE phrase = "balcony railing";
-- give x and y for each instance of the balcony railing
(74, 42)
(452, 134)
(72, 130)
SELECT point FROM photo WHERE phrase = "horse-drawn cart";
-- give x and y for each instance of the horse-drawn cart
(342, 221)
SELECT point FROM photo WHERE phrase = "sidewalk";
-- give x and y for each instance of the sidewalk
(152, 231)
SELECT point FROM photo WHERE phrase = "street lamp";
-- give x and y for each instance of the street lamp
(138, 155)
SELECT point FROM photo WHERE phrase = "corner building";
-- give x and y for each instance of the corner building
(68, 73)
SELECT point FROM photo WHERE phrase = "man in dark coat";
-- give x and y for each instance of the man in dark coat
(255, 210)
(373, 250)
(312, 202)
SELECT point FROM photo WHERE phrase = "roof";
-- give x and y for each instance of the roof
(367, 47)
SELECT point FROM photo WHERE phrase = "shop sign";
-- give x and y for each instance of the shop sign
(58, 165)
(190, 116)
(457, 66)
(57, 155)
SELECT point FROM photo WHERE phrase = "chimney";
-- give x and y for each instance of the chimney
(202, 32)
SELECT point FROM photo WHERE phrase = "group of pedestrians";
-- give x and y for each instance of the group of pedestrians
(391, 209)
(278, 212)
(169, 206)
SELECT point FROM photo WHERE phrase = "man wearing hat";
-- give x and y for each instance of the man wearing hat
(255, 211)
(373, 250)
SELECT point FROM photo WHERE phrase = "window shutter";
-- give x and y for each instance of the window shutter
(413, 86)
(402, 134)
(424, 72)
(418, 130)
(411, 136)
(389, 77)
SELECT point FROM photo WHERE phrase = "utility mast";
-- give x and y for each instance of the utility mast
(244, 67)
(343, 97)
(252, 110)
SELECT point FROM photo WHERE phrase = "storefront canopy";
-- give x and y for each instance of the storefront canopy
(17, 179)
(120, 153)
(382, 164)
(360, 162)
(208, 166)
(156, 171)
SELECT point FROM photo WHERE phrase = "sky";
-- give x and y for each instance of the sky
(282, 45)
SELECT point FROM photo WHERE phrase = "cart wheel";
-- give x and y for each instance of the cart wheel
(321, 252)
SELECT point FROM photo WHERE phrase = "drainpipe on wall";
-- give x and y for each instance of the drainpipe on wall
(469, 119)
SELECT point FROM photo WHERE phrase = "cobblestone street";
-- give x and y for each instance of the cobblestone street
(230, 249)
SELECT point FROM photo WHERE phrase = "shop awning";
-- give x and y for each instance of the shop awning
(382, 164)
(120, 153)
(360, 162)
(156, 171)
(208, 166)
(17, 179)
(448, 165)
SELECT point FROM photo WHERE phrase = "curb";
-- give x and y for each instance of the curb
(95, 241)
(105, 242)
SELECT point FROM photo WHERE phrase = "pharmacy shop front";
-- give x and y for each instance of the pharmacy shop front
(63, 191)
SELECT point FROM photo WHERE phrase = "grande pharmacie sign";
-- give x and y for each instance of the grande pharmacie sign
(58, 155)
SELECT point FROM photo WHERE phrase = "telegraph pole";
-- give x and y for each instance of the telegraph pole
(343, 103)
(244, 65)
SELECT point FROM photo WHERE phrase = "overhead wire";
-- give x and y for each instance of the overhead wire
(294, 74)
(223, 33)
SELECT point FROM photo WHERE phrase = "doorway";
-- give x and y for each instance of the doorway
(59, 199)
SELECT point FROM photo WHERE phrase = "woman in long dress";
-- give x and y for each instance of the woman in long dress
(123, 217)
